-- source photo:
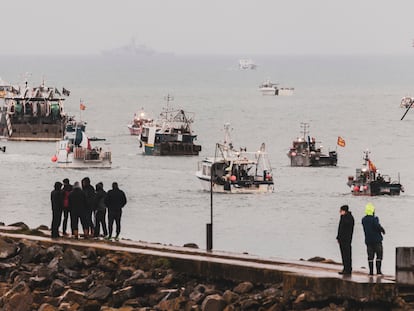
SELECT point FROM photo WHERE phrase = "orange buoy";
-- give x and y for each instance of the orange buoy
(54, 158)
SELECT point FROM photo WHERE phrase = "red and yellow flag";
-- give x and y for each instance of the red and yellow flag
(372, 166)
(82, 106)
(341, 141)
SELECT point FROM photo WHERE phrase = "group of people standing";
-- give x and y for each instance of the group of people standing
(373, 232)
(83, 203)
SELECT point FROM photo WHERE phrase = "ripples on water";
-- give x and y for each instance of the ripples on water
(354, 97)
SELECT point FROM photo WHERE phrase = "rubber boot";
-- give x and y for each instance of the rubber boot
(378, 265)
(371, 267)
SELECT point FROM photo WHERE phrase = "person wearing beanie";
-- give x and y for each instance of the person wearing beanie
(373, 238)
(344, 238)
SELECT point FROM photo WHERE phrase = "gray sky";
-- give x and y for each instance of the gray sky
(210, 26)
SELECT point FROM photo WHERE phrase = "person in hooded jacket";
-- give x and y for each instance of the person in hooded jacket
(115, 200)
(373, 238)
(78, 205)
(344, 238)
(89, 191)
(56, 198)
(100, 210)
(67, 189)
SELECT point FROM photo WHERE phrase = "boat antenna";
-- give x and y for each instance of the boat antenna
(168, 111)
(305, 129)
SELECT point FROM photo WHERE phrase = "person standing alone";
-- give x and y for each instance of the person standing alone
(115, 200)
(373, 238)
(344, 238)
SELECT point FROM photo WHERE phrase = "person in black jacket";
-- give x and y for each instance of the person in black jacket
(115, 200)
(100, 210)
(77, 205)
(344, 238)
(67, 189)
(89, 191)
(373, 238)
(56, 198)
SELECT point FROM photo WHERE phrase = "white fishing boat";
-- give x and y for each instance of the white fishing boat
(270, 88)
(236, 171)
(75, 150)
(247, 63)
(137, 123)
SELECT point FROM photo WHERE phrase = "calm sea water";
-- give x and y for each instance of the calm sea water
(356, 97)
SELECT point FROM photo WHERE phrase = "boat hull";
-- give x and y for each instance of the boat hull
(172, 149)
(230, 187)
(37, 132)
(313, 160)
(375, 188)
(134, 130)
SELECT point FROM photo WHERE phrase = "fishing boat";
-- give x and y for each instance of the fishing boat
(140, 118)
(368, 181)
(236, 171)
(247, 63)
(270, 88)
(33, 113)
(75, 150)
(171, 134)
(304, 152)
(406, 102)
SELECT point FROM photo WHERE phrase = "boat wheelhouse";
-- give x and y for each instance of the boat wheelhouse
(236, 171)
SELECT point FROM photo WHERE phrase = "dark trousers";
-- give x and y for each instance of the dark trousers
(100, 220)
(65, 220)
(374, 249)
(56, 220)
(346, 254)
(114, 216)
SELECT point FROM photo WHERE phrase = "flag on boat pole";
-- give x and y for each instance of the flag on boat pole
(341, 141)
(82, 106)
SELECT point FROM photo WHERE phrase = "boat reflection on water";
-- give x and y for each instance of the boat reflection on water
(236, 171)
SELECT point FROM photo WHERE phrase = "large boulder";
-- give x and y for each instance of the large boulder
(8, 249)
(72, 259)
(19, 298)
(213, 303)
(100, 292)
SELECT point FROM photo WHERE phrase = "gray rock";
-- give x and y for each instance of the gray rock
(99, 292)
(243, 288)
(8, 249)
(122, 295)
(72, 259)
(73, 296)
(56, 288)
(230, 296)
(213, 303)
(19, 298)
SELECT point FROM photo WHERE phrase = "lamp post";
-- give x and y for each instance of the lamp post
(209, 226)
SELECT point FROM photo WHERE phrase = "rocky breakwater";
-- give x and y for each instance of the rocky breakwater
(49, 275)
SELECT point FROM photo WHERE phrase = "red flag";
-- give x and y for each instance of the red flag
(372, 166)
(341, 141)
(82, 106)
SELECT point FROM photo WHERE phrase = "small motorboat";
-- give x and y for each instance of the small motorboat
(140, 118)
